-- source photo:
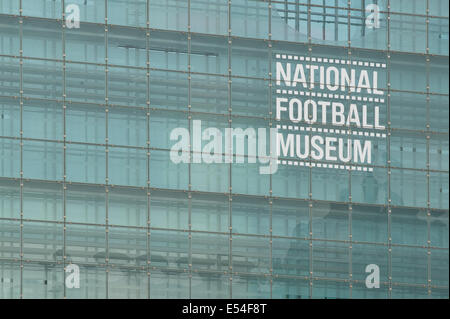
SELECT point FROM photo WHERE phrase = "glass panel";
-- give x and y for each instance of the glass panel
(43, 160)
(165, 174)
(169, 250)
(11, 241)
(209, 54)
(43, 120)
(360, 291)
(42, 38)
(407, 72)
(328, 289)
(439, 152)
(408, 188)
(43, 241)
(168, 50)
(371, 188)
(128, 12)
(169, 285)
(409, 226)
(210, 212)
(86, 163)
(289, 288)
(439, 228)
(290, 218)
(10, 272)
(439, 113)
(284, 185)
(169, 209)
(369, 223)
(9, 158)
(125, 247)
(168, 90)
(408, 33)
(43, 79)
(127, 207)
(86, 244)
(9, 71)
(9, 199)
(86, 123)
(127, 283)
(248, 58)
(439, 74)
(43, 281)
(85, 83)
(210, 252)
(408, 150)
(85, 46)
(169, 14)
(408, 110)
(127, 46)
(250, 97)
(9, 7)
(9, 32)
(290, 257)
(86, 204)
(42, 201)
(409, 265)
(210, 286)
(330, 184)
(330, 259)
(439, 190)
(250, 287)
(438, 36)
(409, 292)
(439, 262)
(127, 166)
(162, 124)
(250, 255)
(249, 18)
(330, 221)
(209, 17)
(250, 215)
(209, 94)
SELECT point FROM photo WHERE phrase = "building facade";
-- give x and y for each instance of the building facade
(93, 93)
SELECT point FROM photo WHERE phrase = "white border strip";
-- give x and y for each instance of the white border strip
(331, 96)
(327, 60)
(324, 165)
(329, 130)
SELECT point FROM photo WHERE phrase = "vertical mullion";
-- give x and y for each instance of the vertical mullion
(148, 150)
(21, 142)
(363, 18)
(269, 102)
(350, 207)
(310, 202)
(388, 147)
(190, 167)
(64, 188)
(229, 151)
(324, 20)
(336, 22)
(428, 152)
(106, 152)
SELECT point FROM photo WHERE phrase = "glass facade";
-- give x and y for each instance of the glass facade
(86, 175)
